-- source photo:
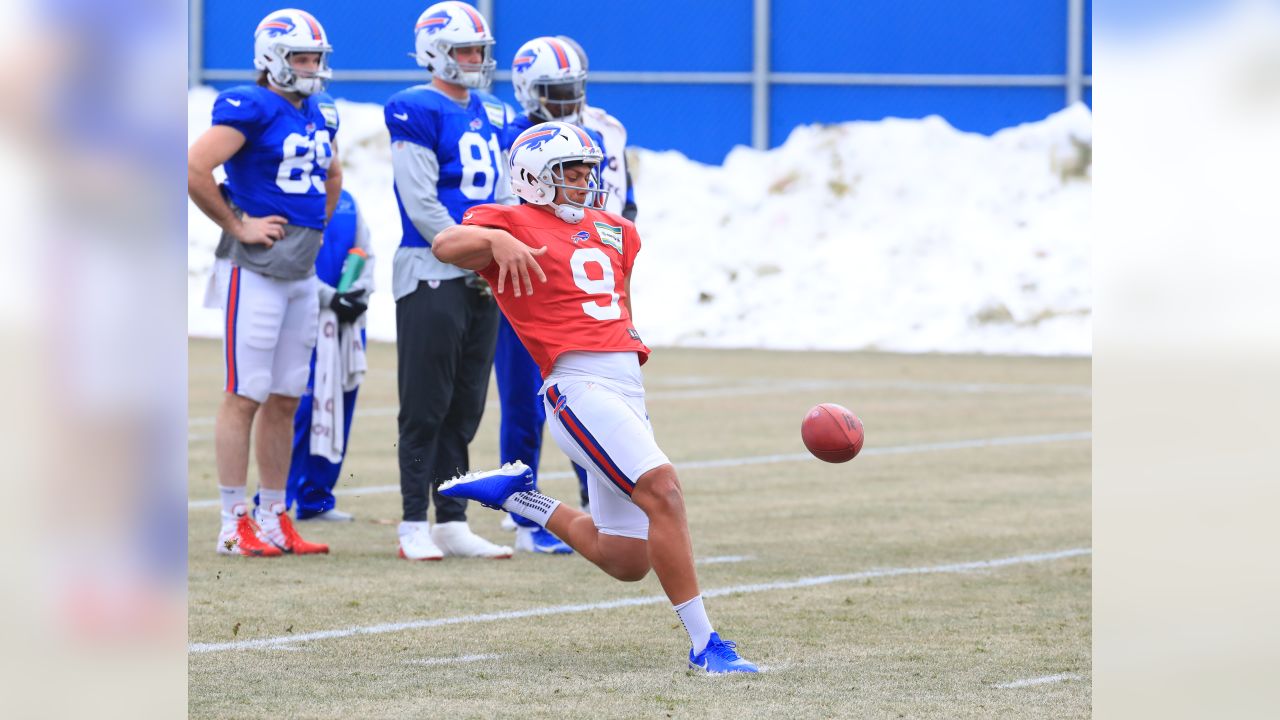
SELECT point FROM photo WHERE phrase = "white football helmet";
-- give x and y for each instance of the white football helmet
(448, 25)
(582, 54)
(290, 31)
(550, 79)
(538, 158)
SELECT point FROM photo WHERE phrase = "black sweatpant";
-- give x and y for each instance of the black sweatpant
(444, 343)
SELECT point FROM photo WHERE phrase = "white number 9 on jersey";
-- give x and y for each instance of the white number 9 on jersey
(604, 286)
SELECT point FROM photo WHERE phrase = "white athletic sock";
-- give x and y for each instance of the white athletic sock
(269, 498)
(231, 497)
(532, 505)
(696, 623)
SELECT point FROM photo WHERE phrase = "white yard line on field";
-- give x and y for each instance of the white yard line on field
(452, 660)
(384, 628)
(717, 559)
(1028, 682)
(765, 459)
(764, 386)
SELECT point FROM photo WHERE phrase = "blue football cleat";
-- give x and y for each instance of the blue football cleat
(493, 487)
(720, 657)
(541, 540)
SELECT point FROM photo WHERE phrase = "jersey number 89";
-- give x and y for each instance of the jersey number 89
(301, 155)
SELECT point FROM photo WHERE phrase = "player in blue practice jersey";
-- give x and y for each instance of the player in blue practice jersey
(277, 142)
(549, 75)
(446, 158)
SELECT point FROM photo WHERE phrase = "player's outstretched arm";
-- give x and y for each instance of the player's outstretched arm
(473, 247)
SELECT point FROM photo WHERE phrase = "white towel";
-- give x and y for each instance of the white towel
(354, 363)
(326, 394)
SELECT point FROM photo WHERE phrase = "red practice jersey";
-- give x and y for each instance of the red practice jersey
(582, 305)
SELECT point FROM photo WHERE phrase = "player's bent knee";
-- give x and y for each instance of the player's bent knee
(629, 569)
(630, 574)
(625, 558)
(659, 490)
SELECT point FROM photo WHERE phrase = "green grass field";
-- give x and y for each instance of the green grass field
(967, 459)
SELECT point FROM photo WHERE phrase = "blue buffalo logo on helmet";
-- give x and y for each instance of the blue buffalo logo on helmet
(435, 22)
(524, 60)
(278, 25)
(536, 139)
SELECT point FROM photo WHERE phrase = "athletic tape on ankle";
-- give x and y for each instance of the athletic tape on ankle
(532, 505)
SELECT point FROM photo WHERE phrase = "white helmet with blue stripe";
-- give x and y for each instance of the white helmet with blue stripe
(283, 33)
(441, 29)
(538, 160)
(550, 79)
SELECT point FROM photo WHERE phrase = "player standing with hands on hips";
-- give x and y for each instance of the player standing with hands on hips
(446, 159)
(561, 269)
(277, 142)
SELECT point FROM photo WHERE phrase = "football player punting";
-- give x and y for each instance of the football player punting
(549, 76)
(576, 321)
(277, 142)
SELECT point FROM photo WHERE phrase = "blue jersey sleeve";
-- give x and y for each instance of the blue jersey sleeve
(239, 108)
(416, 122)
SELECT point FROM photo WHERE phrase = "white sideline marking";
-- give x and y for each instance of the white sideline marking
(630, 602)
(452, 660)
(764, 460)
(767, 459)
(1028, 682)
(723, 559)
(766, 386)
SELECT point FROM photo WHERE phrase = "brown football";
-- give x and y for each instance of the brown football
(832, 433)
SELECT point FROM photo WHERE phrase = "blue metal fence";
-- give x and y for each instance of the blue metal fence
(688, 76)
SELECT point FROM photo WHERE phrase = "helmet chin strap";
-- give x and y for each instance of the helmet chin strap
(569, 213)
(308, 86)
(271, 80)
(305, 87)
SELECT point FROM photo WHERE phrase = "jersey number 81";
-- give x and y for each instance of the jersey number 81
(477, 159)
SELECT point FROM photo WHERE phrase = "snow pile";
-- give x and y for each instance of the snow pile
(901, 235)
(896, 235)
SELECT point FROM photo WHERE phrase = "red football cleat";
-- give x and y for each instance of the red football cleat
(278, 529)
(241, 538)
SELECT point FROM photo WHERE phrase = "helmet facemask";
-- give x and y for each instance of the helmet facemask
(593, 195)
(282, 75)
(468, 75)
(560, 100)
